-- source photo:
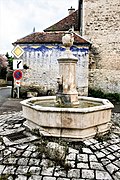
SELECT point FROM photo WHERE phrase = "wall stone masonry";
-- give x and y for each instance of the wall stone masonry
(102, 27)
(43, 66)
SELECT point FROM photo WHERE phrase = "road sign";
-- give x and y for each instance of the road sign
(17, 74)
(17, 51)
(17, 83)
(17, 64)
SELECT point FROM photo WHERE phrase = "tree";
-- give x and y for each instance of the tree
(3, 66)
(10, 61)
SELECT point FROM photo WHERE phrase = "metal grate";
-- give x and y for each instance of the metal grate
(16, 136)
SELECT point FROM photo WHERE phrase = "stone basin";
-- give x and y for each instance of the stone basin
(81, 122)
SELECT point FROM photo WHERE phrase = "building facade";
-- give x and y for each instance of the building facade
(41, 51)
(101, 25)
(95, 20)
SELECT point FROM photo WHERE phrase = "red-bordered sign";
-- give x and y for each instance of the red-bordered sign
(17, 74)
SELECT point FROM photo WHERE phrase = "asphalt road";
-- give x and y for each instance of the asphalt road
(8, 104)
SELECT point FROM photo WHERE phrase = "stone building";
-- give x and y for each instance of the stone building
(43, 48)
(95, 20)
(101, 25)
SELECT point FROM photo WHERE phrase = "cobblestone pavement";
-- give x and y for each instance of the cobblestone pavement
(24, 155)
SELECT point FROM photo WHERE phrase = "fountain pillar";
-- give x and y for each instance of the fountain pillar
(67, 95)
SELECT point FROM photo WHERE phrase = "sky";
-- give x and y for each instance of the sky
(19, 17)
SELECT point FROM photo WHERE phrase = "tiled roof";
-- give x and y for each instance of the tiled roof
(66, 23)
(48, 37)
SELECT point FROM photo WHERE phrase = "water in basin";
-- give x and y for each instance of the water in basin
(51, 103)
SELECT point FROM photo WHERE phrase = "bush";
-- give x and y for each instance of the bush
(99, 94)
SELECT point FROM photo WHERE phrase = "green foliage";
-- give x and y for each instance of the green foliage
(4, 177)
(99, 94)
(10, 61)
(103, 137)
(3, 72)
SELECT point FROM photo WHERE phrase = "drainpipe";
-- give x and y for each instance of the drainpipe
(80, 16)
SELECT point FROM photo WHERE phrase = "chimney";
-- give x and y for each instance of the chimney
(71, 10)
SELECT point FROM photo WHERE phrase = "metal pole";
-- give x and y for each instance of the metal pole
(18, 93)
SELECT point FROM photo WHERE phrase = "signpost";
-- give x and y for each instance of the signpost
(17, 65)
(17, 51)
(17, 74)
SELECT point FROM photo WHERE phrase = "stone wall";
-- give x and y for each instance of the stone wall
(102, 28)
(43, 66)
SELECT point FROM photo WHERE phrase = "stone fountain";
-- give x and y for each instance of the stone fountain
(67, 114)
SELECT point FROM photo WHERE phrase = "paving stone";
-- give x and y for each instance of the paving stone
(100, 154)
(87, 150)
(21, 146)
(7, 152)
(82, 165)
(71, 163)
(87, 142)
(93, 141)
(59, 172)
(21, 177)
(63, 179)
(103, 175)
(105, 161)
(1, 168)
(12, 149)
(10, 178)
(111, 157)
(105, 151)
(111, 168)
(34, 161)
(78, 179)
(9, 170)
(28, 166)
(117, 162)
(47, 171)
(99, 146)
(23, 161)
(18, 153)
(35, 154)
(35, 177)
(117, 154)
(86, 173)
(11, 131)
(2, 147)
(35, 170)
(114, 147)
(71, 150)
(74, 173)
(71, 156)
(46, 163)
(10, 160)
(22, 170)
(117, 175)
(26, 153)
(82, 157)
(93, 148)
(92, 158)
(31, 148)
(96, 165)
(49, 178)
